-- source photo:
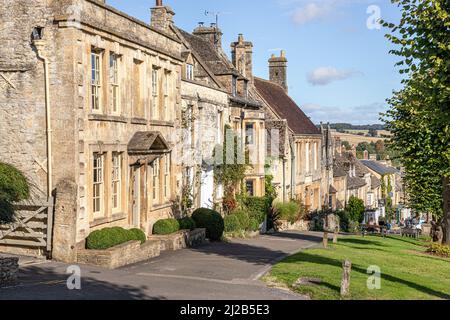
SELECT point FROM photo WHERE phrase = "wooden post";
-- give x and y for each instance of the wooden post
(345, 284)
(335, 235)
(325, 239)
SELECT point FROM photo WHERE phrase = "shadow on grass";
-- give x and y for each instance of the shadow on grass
(312, 258)
(361, 242)
(301, 236)
(407, 240)
(41, 283)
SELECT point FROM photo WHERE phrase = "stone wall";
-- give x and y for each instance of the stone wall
(180, 240)
(9, 268)
(119, 256)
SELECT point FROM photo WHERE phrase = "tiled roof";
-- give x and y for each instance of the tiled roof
(379, 168)
(147, 142)
(355, 182)
(285, 107)
(209, 54)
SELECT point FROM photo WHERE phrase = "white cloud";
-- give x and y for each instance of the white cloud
(326, 75)
(364, 114)
(311, 12)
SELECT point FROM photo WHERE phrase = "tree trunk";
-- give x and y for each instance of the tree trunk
(446, 221)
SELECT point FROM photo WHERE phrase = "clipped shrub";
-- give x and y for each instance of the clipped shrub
(253, 225)
(108, 238)
(232, 223)
(138, 235)
(166, 226)
(440, 250)
(211, 220)
(187, 223)
(243, 218)
(288, 211)
(355, 209)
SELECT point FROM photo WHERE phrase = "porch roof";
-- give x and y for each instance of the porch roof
(148, 143)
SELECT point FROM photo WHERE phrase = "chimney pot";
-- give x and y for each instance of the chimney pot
(159, 3)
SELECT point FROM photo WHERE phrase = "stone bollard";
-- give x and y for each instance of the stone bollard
(335, 235)
(9, 269)
(325, 239)
(345, 284)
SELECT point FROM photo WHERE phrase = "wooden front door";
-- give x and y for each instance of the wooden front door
(136, 196)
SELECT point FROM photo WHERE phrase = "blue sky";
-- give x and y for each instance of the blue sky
(339, 68)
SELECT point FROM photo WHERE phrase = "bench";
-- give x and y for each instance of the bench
(410, 232)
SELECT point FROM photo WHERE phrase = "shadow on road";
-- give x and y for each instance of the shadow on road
(43, 283)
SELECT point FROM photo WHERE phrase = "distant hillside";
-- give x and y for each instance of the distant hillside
(347, 126)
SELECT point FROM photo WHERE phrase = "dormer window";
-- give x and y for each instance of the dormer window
(189, 72)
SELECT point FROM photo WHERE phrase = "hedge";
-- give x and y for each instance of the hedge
(258, 207)
(232, 223)
(243, 217)
(14, 187)
(212, 221)
(111, 237)
(166, 226)
(187, 223)
(253, 225)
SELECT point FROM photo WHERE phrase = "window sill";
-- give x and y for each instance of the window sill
(108, 118)
(114, 218)
(162, 123)
(142, 121)
(161, 206)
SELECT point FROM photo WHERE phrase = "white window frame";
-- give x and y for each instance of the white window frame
(98, 184)
(155, 93)
(167, 171)
(190, 71)
(114, 82)
(96, 81)
(156, 180)
(116, 181)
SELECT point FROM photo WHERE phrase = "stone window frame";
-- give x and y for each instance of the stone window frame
(167, 89)
(251, 193)
(96, 85)
(137, 89)
(114, 82)
(156, 181)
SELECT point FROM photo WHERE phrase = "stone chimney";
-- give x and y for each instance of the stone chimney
(212, 34)
(278, 70)
(242, 57)
(162, 16)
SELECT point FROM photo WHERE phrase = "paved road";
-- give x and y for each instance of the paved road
(213, 271)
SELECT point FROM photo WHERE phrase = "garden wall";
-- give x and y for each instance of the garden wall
(9, 269)
(180, 240)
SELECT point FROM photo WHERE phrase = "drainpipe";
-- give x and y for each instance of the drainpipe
(39, 44)
(284, 179)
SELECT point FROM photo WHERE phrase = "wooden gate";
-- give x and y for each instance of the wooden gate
(33, 226)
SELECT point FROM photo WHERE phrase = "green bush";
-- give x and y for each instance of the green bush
(288, 211)
(138, 235)
(355, 209)
(243, 217)
(166, 226)
(254, 225)
(212, 221)
(353, 227)
(187, 223)
(111, 237)
(258, 207)
(232, 223)
(440, 250)
(14, 187)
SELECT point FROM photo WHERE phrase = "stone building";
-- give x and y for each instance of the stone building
(205, 108)
(90, 97)
(298, 168)
(352, 178)
(244, 113)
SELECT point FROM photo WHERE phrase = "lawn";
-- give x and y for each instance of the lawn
(407, 272)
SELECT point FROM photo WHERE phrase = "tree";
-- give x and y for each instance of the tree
(355, 209)
(419, 115)
(13, 188)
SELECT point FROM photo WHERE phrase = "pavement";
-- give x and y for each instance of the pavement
(212, 271)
